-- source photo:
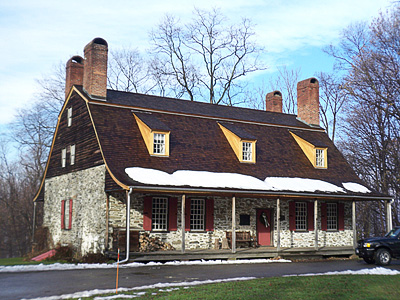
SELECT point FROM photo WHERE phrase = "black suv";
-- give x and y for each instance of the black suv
(380, 250)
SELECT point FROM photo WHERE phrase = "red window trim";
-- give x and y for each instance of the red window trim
(173, 214)
(210, 214)
(292, 216)
(147, 213)
(62, 214)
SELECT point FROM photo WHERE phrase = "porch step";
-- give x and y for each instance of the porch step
(45, 255)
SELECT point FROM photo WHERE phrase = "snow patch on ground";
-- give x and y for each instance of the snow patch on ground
(374, 271)
(206, 179)
(168, 287)
(145, 287)
(59, 267)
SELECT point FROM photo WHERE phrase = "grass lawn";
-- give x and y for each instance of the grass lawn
(21, 261)
(316, 287)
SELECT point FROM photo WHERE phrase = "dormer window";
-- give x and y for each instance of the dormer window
(247, 151)
(159, 143)
(319, 158)
(154, 132)
(315, 150)
(69, 116)
(243, 144)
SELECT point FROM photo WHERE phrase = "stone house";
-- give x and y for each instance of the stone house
(191, 173)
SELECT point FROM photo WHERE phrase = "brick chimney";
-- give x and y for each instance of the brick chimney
(308, 101)
(273, 102)
(95, 70)
(74, 73)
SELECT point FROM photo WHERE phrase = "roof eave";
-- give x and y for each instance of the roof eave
(259, 193)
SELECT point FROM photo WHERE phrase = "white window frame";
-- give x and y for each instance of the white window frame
(247, 151)
(197, 215)
(72, 153)
(159, 143)
(319, 158)
(332, 216)
(301, 216)
(159, 214)
(69, 116)
(63, 157)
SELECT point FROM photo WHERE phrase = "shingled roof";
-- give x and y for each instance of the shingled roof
(198, 144)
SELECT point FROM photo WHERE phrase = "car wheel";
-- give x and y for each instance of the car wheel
(369, 260)
(383, 257)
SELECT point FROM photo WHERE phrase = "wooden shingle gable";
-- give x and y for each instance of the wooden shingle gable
(315, 150)
(238, 139)
(151, 127)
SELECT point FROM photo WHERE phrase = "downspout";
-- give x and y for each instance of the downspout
(128, 225)
(389, 215)
(34, 223)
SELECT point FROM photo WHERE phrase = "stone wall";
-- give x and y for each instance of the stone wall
(86, 189)
(223, 223)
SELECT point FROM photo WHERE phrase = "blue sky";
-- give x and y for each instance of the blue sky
(36, 35)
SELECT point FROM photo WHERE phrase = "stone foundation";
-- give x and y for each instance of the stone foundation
(86, 189)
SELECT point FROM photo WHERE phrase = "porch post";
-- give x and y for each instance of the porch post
(278, 225)
(316, 223)
(233, 224)
(353, 220)
(183, 223)
(389, 215)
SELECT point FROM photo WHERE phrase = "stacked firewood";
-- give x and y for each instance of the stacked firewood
(148, 244)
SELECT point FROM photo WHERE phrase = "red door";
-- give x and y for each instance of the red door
(264, 224)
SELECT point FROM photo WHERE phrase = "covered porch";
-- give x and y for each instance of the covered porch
(240, 253)
(315, 248)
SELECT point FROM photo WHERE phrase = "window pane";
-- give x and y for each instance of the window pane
(197, 213)
(69, 116)
(331, 216)
(246, 151)
(72, 154)
(63, 157)
(301, 216)
(160, 214)
(320, 159)
(159, 143)
(66, 214)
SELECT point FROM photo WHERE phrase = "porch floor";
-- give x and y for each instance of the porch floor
(241, 253)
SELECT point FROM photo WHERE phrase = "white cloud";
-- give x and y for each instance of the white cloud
(40, 33)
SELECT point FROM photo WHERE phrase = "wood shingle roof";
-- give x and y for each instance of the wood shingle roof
(198, 144)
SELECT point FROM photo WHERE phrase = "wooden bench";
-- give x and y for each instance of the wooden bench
(242, 237)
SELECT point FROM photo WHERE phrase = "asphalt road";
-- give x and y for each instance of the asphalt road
(51, 283)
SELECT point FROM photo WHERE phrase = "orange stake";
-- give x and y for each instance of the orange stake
(116, 285)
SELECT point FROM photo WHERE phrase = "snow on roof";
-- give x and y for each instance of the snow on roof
(355, 187)
(206, 179)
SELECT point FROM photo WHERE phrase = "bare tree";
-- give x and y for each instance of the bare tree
(370, 58)
(371, 55)
(333, 96)
(206, 57)
(128, 71)
(16, 207)
(286, 83)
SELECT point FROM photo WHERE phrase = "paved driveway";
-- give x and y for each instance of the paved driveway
(51, 283)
